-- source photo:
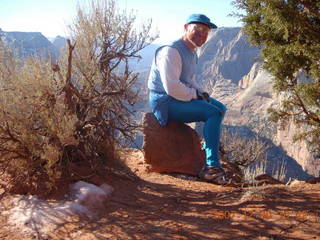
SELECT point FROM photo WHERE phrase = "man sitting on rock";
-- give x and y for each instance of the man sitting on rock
(175, 96)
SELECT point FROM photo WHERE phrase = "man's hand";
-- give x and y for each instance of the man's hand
(203, 96)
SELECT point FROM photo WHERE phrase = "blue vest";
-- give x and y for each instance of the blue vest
(189, 61)
(158, 99)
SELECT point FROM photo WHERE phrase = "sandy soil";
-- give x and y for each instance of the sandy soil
(148, 205)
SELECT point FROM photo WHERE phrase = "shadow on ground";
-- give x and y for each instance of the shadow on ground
(139, 209)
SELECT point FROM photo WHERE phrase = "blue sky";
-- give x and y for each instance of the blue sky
(51, 16)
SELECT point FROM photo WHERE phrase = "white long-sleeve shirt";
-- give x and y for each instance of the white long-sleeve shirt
(169, 64)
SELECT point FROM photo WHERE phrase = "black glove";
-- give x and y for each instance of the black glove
(203, 96)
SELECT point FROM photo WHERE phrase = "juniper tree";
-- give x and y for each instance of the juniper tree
(289, 33)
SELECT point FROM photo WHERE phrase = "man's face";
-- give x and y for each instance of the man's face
(196, 34)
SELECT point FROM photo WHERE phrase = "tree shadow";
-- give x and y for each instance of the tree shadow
(142, 209)
(168, 209)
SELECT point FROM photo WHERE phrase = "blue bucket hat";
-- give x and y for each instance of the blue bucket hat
(200, 18)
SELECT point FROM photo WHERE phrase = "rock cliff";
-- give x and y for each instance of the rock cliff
(226, 55)
(231, 72)
(30, 43)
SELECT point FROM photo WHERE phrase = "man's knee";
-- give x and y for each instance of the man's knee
(218, 104)
(224, 109)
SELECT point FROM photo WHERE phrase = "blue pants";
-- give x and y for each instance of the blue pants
(211, 114)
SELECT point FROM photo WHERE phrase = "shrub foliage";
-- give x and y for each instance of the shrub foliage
(78, 109)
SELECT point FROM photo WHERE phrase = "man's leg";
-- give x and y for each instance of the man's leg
(222, 108)
(212, 141)
(210, 113)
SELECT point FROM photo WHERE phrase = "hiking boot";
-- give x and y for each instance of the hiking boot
(213, 174)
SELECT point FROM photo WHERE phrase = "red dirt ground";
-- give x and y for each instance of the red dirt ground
(148, 206)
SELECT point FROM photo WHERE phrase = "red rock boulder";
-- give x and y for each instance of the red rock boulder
(174, 148)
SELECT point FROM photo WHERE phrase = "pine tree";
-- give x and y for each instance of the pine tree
(289, 33)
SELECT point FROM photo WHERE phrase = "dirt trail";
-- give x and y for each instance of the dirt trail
(159, 206)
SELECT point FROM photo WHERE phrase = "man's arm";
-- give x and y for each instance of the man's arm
(169, 64)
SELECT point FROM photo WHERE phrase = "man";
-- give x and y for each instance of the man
(175, 96)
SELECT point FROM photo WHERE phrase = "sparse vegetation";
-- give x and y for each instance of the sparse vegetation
(250, 173)
(243, 150)
(259, 168)
(78, 109)
(250, 154)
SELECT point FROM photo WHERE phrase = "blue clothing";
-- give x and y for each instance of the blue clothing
(201, 111)
(158, 98)
(167, 108)
(189, 62)
(159, 103)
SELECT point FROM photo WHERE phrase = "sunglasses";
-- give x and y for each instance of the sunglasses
(200, 28)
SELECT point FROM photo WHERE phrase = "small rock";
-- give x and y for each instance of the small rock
(266, 179)
(313, 180)
(296, 182)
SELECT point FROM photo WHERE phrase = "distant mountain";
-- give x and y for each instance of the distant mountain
(226, 55)
(34, 43)
(30, 43)
(59, 42)
(147, 55)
